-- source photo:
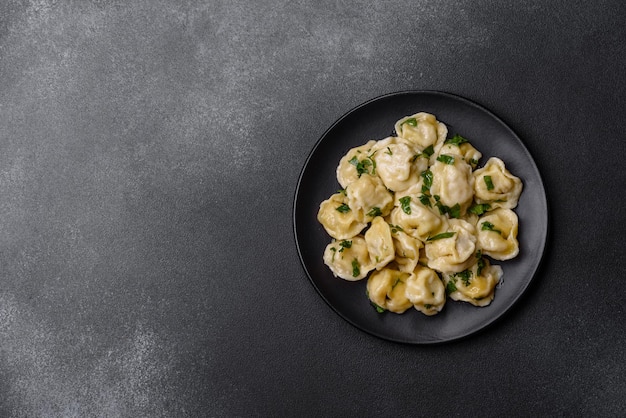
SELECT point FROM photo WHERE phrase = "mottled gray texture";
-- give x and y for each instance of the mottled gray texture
(149, 153)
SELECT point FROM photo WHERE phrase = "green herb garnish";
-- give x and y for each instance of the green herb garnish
(345, 244)
(441, 236)
(479, 209)
(396, 228)
(427, 175)
(374, 212)
(488, 226)
(410, 121)
(429, 150)
(405, 202)
(451, 287)
(481, 262)
(388, 151)
(425, 200)
(488, 182)
(465, 276)
(365, 166)
(355, 268)
(343, 208)
(456, 140)
(446, 159)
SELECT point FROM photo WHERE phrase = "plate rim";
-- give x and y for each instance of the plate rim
(541, 253)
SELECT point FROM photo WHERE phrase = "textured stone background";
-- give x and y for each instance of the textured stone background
(149, 154)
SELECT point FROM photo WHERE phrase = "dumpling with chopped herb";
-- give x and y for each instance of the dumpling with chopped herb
(338, 219)
(495, 185)
(407, 249)
(379, 243)
(497, 234)
(452, 185)
(416, 218)
(348, 259)
(386, 290)
(452, 251)
(356, 162)
(426, 291)
(422, 129)
(460, 147)
(475, 285)
(368, 198)
(397, 164)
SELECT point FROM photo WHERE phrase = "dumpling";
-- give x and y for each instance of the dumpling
(416, 219)
(495, 185)
(475, 285)
(497, 234)
(379, 243)
(453, 250)
(397, 164)
(464, 150)
(386, 290)
(422, 129)
(355, 163)
(368, 197)
(338, 219)
(407, 249)
(452, 184)
(348, 259)
(425, 291)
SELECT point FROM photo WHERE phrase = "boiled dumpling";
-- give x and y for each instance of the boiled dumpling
(379, 243)
(355, 163)
(338, 219)
(368, 197)
(475, 285)
(497, 234)
(425, 291)
(396, 163)
(453, 250)
(386, 289)
(348, 259)
(407, 249)
(416, 219)
(495, 185)
(422, 129)
(464, 150)
(452, 184)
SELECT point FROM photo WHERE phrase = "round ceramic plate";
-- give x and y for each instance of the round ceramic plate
(375, 119)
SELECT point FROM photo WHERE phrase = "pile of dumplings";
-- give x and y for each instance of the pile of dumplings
(419, 218)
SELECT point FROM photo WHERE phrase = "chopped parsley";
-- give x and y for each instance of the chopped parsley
(365, 166)
(481, 262)
(388, 151)
(355, 268)
(454, 211)
(374, 212)
(488, 182)
(488, 226)
(405, 202)
(446, 159)
(479, 209)
(345, 244)
(456, 140)
(427, 175)
(343, 208)
(425, 200)
(429, 150)
(441, 236)
(451, 287)
(396, 228)
(410, 121)
(465, 276)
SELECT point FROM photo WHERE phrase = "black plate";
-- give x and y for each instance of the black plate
(375, 119)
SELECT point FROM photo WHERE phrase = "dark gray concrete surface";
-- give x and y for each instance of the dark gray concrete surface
(149, 154)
